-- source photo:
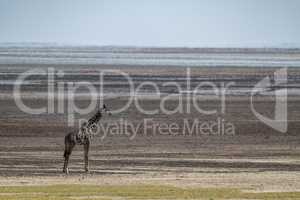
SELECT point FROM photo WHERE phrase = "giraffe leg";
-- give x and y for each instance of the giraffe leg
(86, 155)
(68, 151)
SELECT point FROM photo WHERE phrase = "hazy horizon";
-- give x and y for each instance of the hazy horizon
(54, 44)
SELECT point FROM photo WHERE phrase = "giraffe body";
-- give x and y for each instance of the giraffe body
(81, 137)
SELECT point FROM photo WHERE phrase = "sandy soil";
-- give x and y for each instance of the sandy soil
(255, 158)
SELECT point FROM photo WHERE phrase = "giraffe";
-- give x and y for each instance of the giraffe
(82, 137)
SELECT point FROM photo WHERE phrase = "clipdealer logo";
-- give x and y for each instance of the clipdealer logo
(67, 91)
(280, 121)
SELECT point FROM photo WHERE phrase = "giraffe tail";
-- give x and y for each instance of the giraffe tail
(65, 153)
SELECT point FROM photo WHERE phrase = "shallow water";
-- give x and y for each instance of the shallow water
(14, 60)
(148, 56)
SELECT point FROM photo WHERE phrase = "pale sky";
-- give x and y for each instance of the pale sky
(190, 23)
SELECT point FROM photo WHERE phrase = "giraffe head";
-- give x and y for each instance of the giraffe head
(104, 109)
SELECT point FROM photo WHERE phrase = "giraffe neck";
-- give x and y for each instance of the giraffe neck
(95, 119)
(84, 133)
